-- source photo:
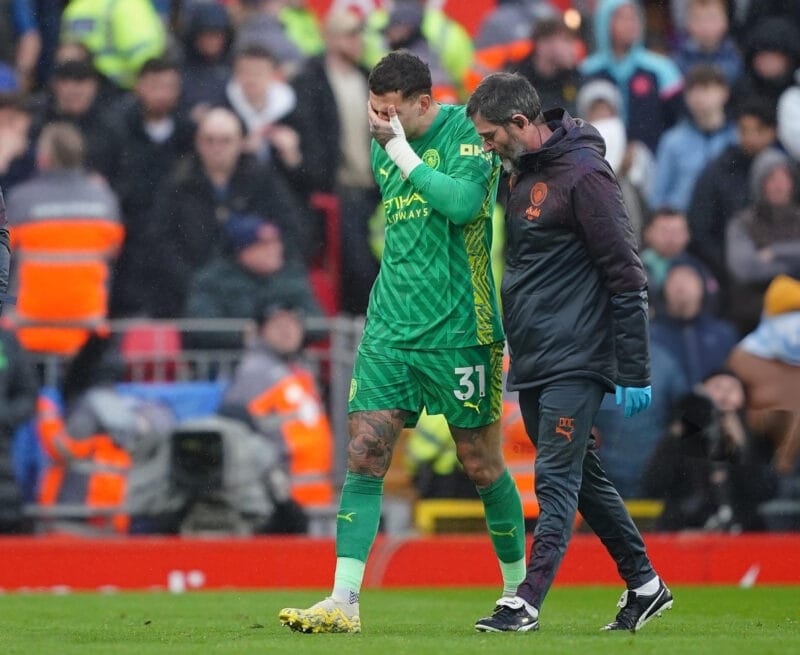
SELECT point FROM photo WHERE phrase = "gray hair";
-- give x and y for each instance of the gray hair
(63, 145)
(500, 96)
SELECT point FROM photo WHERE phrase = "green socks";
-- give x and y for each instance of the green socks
(506, 525)
(360, 513)
(356, 527)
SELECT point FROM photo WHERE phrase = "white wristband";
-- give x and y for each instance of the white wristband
(402, 154)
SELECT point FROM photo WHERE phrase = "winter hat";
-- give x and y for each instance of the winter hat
(243, 230)
(596, 90)
(774, 34)
(782, 296)
(710, 283)
(765, 162)
(207, 16)
(407, 13)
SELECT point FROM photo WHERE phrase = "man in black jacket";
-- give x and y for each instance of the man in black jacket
(575, 305)
(151, 136)
(336, 150)
(194, 203)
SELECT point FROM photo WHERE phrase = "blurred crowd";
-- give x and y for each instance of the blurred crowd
(210, 159)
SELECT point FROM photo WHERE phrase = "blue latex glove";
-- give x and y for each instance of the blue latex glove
(636, 399)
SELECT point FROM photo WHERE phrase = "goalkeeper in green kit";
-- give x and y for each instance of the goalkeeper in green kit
(433, 337)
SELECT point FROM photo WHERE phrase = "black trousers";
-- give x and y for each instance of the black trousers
(558, 418)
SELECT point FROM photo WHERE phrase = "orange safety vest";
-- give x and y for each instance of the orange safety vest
(499, 56)
(95, 465)
(494, 58)
(519, 453)
(63, 271)
(306, 431)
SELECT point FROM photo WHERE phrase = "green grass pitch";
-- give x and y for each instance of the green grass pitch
(710, 620)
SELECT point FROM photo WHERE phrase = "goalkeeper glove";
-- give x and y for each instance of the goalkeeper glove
(636, 399)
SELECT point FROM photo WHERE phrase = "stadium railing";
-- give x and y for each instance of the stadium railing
(154, 354)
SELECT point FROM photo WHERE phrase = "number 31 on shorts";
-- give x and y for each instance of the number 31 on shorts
(467, 377)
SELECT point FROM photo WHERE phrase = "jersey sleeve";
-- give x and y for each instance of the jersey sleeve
(457, 183)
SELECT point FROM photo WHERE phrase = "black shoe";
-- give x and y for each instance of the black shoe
(637, 610)
(509, 615)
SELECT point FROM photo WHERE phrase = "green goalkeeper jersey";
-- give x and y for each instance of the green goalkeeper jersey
(435, 288)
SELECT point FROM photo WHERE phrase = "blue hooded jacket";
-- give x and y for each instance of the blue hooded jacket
(649, 82)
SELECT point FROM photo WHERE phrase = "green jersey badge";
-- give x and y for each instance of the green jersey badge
(431, 158)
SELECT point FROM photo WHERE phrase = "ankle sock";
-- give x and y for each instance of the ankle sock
(648, 588)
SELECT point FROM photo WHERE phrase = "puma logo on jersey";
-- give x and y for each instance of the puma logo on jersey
(565, 427)
(346, 517)
(383, 172)
(475, 406)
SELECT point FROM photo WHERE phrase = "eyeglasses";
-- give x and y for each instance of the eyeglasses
(222, 139)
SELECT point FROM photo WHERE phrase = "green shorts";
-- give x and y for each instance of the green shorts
(464, 384)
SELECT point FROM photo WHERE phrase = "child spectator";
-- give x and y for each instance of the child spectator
(666, 237)
(708, 41)
(684, 149)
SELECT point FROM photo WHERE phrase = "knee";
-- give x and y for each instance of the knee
(481, 467)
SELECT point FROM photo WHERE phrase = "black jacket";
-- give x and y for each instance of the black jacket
(722, 189)
(141, 166)
(316, 119)
(560, 90)
(95, 125)
(188, 217)
(574, 290)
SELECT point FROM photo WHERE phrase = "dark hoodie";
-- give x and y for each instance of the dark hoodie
(204, 79)
(772, 34)
(700, 344)
(574, 290)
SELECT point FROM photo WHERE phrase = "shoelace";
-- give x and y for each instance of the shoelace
(505, 612)
(510, 608)
(628, 614)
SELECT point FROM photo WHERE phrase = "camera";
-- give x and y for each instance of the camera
(701, 430)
